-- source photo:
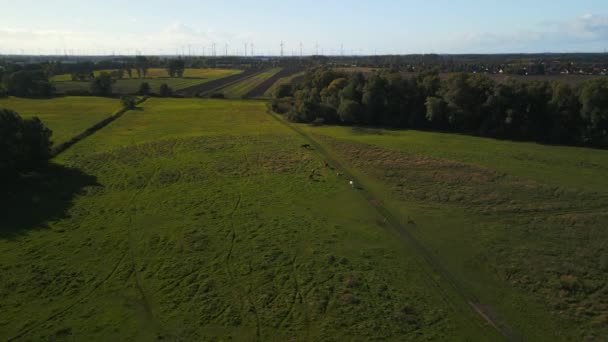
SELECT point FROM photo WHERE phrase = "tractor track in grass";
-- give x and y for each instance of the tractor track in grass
(69, 307)
(480, 309)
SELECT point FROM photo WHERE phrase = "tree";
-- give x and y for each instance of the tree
(350, 111)
(566, 108)
(141, 65)
(165, 90)
(176, 68)
(594, 111)
(436, 112)
(102, 84)
(128, 102)
(144, 89)
(466, 96)
(129, 71)
(283, 90)
(24, 144)
(28, 83)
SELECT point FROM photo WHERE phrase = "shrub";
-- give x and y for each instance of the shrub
(24, 144)
(128, 102)
(144, 89)
(283, 90)
(165, 90)
(102, 84)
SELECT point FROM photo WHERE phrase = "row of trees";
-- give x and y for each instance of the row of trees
(25, 144)
(26, 83)
(546, 112)
(102, 86)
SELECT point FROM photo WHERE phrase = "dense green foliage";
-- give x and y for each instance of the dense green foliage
(176, 68)
(165, 90)
(102, 84)
(24, 143)
(27, 83)
(468, 103)
(128, 102)
(144, 89)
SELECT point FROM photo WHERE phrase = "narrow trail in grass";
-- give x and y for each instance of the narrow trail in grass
(480, 309)
(91, 130)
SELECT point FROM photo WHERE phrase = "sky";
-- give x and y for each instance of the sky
(327, 27)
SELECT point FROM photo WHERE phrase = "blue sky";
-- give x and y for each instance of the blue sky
(380, 26)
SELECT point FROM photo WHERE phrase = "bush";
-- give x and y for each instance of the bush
(28, 83)
(128, 102)
(283, 90)
(165, 90)
(102, 84)
(144, 89)
(24, 144)
(218, 96)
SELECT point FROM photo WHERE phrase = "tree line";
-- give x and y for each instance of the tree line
(25, 144)
(546, 112)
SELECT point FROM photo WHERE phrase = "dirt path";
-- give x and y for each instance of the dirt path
(484, 311)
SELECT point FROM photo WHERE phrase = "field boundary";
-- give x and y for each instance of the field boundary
(57, 150)
(480, 309)
(260, 89)
(206, 89)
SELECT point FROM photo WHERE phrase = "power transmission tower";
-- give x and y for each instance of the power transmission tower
(282, 46)
(317, 48)
(301, 50)
(251, 45)
(226, 50)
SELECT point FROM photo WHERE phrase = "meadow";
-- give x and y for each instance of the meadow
(238, 90)
(521, 225)
(207, 220)
(65, 116)
(155, 77)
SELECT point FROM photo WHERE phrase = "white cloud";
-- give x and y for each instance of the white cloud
(168, 40)
(585, 33)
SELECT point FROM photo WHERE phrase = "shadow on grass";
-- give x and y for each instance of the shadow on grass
(30, 201)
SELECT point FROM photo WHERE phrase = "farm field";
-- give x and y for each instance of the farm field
(239, 89)
(203, 220)
(284, 80)
(522, 225)
(65, 116)
(155, 77)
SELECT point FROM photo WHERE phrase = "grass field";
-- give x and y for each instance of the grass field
(283, 80)
(522, 225)
(238, 90)
(155, 77)
(65, 116)
(204, 220)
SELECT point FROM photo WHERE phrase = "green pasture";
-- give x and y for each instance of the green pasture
(65, 116)
(207, 220)
(155, 77)
(521, 225)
